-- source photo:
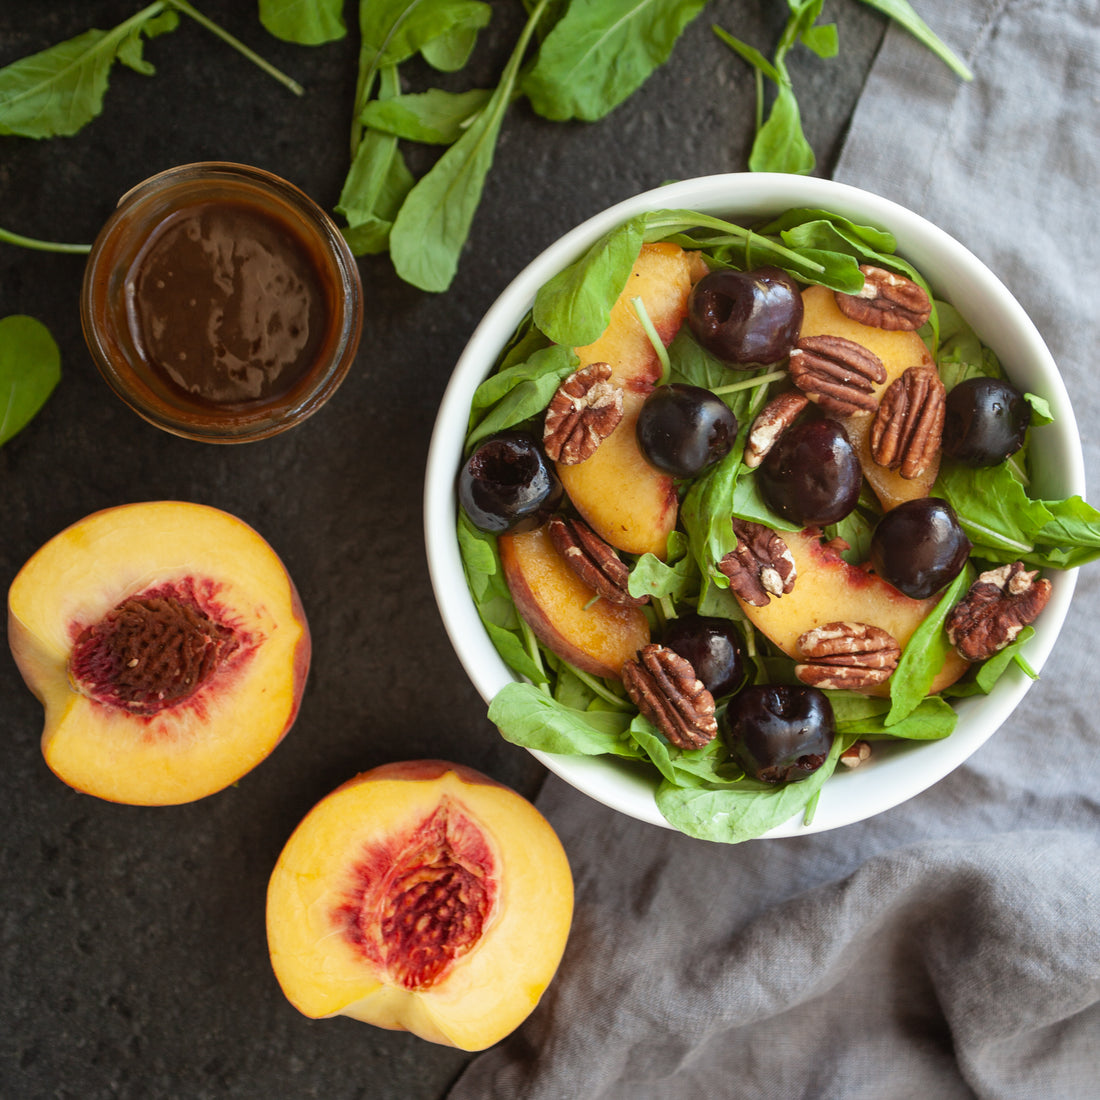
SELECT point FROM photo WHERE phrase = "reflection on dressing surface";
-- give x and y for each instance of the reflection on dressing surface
(224, 302)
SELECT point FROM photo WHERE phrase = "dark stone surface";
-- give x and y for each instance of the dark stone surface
(132, 950)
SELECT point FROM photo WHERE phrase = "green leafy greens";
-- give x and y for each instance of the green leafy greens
(554, 708)
(30, 368)
(59, 90)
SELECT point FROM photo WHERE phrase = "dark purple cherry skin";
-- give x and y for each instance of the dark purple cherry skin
(919, 547)
(684, 430)
(746, 318)
(713, 648)
(985, 421)
(812, 475)
(779, 733)
(508, 484)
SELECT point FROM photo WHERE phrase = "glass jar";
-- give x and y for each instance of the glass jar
(221, 303)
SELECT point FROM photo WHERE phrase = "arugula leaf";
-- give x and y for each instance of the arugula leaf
(434, 221)
(780, 144)
(601, 51)
(30, 368)
(737, 811)
(532, 719)
(434, 117)
(59, 90)
(574, 306)
(519, 393)
(901, 11)
(306, 22)
(924, 653)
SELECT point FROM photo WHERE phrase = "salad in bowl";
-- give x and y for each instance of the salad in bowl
(754, 506)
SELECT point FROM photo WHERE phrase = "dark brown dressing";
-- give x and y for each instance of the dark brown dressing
(225, 303)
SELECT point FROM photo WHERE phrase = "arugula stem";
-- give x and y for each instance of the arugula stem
(751, 383)
(595, 685)
(654, 339)
(367, 73)
(7, 237)
(673, 220)
(236, 43)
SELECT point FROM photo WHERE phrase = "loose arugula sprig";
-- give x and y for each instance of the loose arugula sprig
(780, 144)
(553, 708)
(59, 90)
(591, 55)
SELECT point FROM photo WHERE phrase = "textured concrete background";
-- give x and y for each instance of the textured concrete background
(133, 959)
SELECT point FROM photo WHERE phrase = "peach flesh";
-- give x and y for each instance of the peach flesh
(593, 634)
(120, 743)
(421, 896)
(629, 503)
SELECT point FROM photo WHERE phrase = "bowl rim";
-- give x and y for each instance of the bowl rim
(966, 281)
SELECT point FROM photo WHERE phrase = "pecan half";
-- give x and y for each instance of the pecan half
(887, 301)
(1000, 603)
(770, 423)
(849, 655)
(666, 690)
(584, 411)
(837, 373)
(593, 560)
(907, 432)
(760, 565)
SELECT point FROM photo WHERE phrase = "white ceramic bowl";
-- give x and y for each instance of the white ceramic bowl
(955, 275)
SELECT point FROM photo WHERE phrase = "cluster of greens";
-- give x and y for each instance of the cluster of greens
(556, 708)
(573, 60)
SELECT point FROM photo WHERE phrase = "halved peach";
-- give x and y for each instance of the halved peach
(168, 646)
(593, 634)
(898, 351)
(421, 896)
(629, 503)
(829, 589)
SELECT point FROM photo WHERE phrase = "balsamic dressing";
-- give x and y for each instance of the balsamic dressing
(225, 303)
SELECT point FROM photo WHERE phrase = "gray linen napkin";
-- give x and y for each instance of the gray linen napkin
(951, 946)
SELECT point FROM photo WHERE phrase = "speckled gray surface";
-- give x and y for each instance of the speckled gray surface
(132, 949)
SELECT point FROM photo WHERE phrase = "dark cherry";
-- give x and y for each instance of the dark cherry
(712, 646)
(746, 318)
(985, 422)
(683, 430)
(508, 484)
(812, 475)
(779, 733)
(919, 546)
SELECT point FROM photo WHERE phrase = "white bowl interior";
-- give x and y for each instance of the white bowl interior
(956, 275)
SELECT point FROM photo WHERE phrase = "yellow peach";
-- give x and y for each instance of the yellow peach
(829, 589)
(593, 634)
(168, 646)
(629, 503)
(421, 896)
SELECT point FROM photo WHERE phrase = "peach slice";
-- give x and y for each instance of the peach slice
(898, 351)
(421, 896)
(625, 500)
(168, 646)
(829, 589)
(593, 634)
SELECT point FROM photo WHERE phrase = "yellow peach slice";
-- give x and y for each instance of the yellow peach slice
(168, 646)
(629, 503)
(421, 896)
(829, 589)
(593, 634)
(898, 351)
